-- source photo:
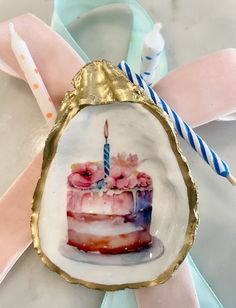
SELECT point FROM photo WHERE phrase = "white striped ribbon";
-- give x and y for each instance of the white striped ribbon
(184, 130)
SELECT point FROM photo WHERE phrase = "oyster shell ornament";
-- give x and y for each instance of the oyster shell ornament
(115, 205)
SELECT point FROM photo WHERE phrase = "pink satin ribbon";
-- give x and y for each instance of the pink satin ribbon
(200, 92)
(203, 90)
(57, 72)
(177, 292)
(15, 211)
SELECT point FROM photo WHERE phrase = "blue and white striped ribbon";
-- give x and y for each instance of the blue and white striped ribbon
(184, 130)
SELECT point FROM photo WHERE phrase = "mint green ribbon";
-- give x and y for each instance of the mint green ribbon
(118, 299)
(66, 11)
(206, 296)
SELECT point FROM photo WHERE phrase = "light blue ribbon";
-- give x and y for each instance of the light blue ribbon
(206, 297)
(120, 299)
(66, 11)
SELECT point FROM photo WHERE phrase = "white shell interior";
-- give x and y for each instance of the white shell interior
(132, 129)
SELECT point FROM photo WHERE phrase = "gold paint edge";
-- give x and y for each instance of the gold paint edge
(71, 105)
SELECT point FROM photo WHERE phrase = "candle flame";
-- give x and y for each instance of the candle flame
(106, 130)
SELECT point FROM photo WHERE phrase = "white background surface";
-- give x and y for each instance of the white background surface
(191, 29)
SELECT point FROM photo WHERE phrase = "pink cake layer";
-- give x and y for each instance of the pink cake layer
(121, 243)
(106, 233)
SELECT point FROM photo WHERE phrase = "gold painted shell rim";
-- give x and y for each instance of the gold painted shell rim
(74, 102)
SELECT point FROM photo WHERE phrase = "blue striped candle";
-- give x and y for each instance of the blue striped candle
(106, 151)
(184, 130)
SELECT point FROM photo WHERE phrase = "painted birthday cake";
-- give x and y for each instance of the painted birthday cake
(109, 204)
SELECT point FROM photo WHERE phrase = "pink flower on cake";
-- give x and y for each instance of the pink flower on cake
(123, 160)
(143, 179)
(121, 177)
(122, 171)
(85, 175)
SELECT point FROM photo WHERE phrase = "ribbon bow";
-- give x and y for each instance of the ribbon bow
(200, 92)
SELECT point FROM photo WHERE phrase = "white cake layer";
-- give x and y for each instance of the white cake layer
(101, 208)
(102, 227)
